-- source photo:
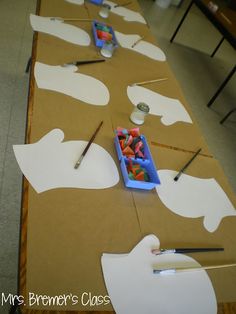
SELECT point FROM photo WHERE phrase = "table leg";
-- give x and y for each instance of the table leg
(228, 114)
(222, 86)
(217, 47)
(28, 65)
(181, 22)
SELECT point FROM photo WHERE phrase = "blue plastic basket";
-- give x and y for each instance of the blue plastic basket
(96, 1)
(146, 163)
(100, 42)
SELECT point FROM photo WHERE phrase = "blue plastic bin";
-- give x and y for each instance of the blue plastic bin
(146, 163)
(99, 42)
(96, 1)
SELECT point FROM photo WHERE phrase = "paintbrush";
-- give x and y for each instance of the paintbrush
(176, 178)
(225, 17)
(136, 42)
(122, 5)
(151, 81)
(83, 62)
(87, 146)
(185, 250)
(62, 19)
(168, 271)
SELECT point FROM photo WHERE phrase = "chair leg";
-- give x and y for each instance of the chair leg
(28, 65)
(226, 116)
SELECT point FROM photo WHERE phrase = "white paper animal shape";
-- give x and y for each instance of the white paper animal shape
(79, 2)
(195, 197)
(143, 47)
(133, 288)
(58, 28)
(64, 79)
(49, 164)
(129, 15)
(171, 110)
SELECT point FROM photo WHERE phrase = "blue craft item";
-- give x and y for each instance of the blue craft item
(146, 163)
(101, 27)
(104, 28)
(96, 1)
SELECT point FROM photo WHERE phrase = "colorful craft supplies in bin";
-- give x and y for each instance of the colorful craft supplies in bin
(137, 166)
(102, 33)
(136, 171)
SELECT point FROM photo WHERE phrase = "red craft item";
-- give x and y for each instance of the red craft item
(128, 152)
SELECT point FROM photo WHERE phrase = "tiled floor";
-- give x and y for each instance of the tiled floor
(198, 74)
(15, 42)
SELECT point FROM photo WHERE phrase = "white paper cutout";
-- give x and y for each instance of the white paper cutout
(143, 47)
(58, 28)
(129, 15)
(65, 80)
(171, 110)
(133, 288)
(49, 164)
(195, 197)
(79, 2)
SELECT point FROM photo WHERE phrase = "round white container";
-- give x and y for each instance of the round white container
(105, 10)
(139, 113)
(107, 49)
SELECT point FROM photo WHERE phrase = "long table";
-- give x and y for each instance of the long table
(65, 231)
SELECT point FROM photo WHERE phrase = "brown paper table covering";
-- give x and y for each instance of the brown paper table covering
(177, 231)
(69, 229)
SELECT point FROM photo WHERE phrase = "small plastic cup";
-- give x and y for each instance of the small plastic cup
(139, 113)
(105, 10)
(108, 48)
